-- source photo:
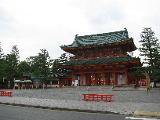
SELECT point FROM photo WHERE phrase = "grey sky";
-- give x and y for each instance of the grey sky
(36, 24)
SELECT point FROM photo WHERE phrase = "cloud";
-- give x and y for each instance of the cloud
(102, 14)
(37, 24)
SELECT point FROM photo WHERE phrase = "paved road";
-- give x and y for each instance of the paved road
(28, 113)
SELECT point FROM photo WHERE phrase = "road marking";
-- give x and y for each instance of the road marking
(139, 118)
(146, 113)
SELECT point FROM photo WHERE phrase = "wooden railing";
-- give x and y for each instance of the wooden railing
(5, 93)
(97, 97)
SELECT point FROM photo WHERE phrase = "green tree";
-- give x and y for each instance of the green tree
(1, 52)
(58, 68)
(2, 71)
(2, 67)
(23, 68)
(149, 47)
(15, 52)
(40, 65)
(11, 66)
(12, 61)
(150, 51)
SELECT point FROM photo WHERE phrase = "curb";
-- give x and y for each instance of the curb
(146, 113)
(60, 109)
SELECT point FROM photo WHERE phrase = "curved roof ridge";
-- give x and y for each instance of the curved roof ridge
(99, 34)
(99, 39)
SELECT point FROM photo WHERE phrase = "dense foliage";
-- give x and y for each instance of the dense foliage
(57, 69)
(149, 47)
(40, 66)
(150, 50)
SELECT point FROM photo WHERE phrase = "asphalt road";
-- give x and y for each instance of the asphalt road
(8, 112)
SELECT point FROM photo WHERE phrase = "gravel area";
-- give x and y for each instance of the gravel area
(120, 94)
(125, 100)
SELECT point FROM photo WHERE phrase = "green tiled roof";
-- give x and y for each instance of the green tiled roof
(104, 61)
(98, 39)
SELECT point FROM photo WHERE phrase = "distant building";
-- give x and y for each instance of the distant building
(101, 59)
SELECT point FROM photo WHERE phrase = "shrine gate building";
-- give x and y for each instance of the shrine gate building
(101, 59)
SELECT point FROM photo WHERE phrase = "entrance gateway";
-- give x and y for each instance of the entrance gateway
(121, 79)
(101, 59)
(100, 79)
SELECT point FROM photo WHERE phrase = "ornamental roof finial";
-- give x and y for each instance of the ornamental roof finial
(76, 35)
(126, 32)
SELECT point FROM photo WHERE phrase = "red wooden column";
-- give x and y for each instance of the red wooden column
(88, 79)
(106, 78)
(114, 77)
(102, 72)
(82, 78)
(126, 74)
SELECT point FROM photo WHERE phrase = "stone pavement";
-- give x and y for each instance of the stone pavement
(126, 100)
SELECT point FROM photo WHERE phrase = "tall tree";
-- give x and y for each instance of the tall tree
(57, 68)
(150, 51)
(12, 61)
(149, 47)
(15, 51)
(1, 52)
(40, 65)
(2, 67)
(11, 66)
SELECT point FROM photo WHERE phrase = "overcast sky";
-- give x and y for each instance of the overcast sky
(36, 24)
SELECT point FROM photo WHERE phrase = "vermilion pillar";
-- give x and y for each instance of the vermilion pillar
(126, 74)
(115, 77)
(107, 82)
(104, 78)
(82, 79)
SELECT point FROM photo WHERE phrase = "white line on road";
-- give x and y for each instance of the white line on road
(136, 118)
